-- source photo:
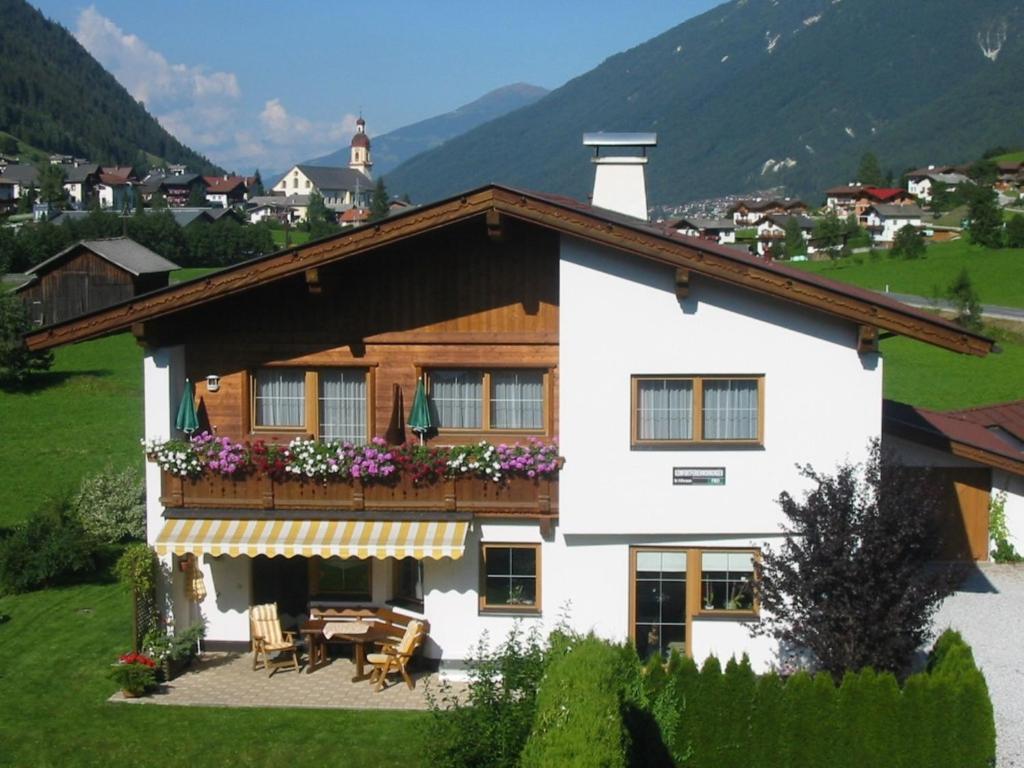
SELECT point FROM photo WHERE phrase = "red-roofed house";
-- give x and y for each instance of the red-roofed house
(226, 191)
(354, 217)
(115, 188)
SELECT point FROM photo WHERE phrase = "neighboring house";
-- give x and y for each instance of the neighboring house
(226, 191)
(115, 189)
(354, 217)
(843, 199)
(855, 199)
(884, 221)
(91, 275)
(177, 188)
(771, 232)
(289, 209)
(978, 454)
(749, 212)
(684, 381)
(715, 230)
(15, 181)
(80, 179)
(1011, 177)
(921, 182)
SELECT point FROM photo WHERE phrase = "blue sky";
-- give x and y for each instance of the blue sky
(253, 83)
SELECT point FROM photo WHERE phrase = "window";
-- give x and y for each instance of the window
(408, 583)
(672, 586)
(697, 409)
(511, 578)
(340, 578)
(507, 400)
(330, 403)
(308, 184)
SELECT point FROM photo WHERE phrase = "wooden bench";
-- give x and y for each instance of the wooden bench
(390, 622)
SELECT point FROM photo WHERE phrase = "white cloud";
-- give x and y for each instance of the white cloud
(203, 108)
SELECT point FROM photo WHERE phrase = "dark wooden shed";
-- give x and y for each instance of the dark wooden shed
(91, 275)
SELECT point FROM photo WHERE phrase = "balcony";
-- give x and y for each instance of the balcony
(516, 497)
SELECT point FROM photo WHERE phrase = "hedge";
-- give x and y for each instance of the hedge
(596, 707)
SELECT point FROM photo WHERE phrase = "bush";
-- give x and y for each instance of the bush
(909, 243)
(17, 363)
(112, 505)
(49, 548)
(582, 709)
(1015, 231)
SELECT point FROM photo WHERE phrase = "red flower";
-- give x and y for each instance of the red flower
(136, 658)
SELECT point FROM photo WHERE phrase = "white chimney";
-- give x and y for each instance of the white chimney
(619, 179)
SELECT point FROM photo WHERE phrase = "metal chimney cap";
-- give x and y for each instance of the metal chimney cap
(607, 139)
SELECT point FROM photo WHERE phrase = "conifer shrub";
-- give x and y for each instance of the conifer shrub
(765, 724)
(735, 713)
(809, 720)
(867, 706)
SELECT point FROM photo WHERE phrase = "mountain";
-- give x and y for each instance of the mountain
(55, 96)
(762, 93)
(394, 148)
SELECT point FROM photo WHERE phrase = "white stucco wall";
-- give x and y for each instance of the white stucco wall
(1013, 487)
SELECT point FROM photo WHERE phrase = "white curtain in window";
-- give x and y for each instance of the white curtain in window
(730, 409)
(458, 398)
(343, 406)
(517, 400)
(280, 398)
(665, 409)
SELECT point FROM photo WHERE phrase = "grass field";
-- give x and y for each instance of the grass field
(182, 275)
(998, 275)
(1011, 157)
(295, 237)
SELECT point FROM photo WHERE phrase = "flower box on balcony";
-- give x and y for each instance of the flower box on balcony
(404, 494)
(303, 493)
(516, 494)
(215, 491)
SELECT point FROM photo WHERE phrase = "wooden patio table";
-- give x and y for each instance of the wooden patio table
(317, 644)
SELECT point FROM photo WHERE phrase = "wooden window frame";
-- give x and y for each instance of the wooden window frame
(694, 583)
(697, 381)
(314, 582)
(483, 606)
(485, 410)
(311, 405)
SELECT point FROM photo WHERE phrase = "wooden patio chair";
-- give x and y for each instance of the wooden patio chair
(268, 639)
(395, 658)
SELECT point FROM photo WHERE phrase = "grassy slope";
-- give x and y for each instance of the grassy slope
(295, 237)
(1011, 157)
(998, 275)
(54, 654)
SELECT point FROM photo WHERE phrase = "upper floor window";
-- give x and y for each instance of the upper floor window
(692, 409)
(329, 403)
(499, 399)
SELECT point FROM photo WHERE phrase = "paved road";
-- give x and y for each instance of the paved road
(993, 311)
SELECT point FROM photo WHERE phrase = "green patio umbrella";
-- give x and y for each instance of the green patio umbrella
(419, 418)
(187, 421)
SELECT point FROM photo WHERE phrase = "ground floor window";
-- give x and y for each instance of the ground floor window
(408, 583)
(337, 578)
(672, 585)
(510, 576)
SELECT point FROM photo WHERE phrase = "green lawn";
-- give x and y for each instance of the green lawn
(1010, 157)
(998, 275)
(191, 273)
(295, 237)
(54, 653)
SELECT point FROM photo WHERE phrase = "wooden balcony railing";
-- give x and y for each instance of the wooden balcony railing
(517, 496)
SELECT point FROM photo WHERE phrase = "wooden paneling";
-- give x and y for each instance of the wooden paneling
(82, 283)
(452, 298)
(963, 523)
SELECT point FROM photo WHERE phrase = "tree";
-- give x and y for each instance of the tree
(26, 200)
(828, 232)
(8, 145)
(256, 188)
(1015, 231)
(983, 172)
(870, 172)
(157, 199)
(794, 244)
(197, 196)
(986, 220)
(968, 308)
(379, 202)
(321, 220)
(51, 184)
(17, 363)
(908, 243)
(855, 583)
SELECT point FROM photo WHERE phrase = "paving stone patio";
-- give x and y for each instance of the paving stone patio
(228, 680)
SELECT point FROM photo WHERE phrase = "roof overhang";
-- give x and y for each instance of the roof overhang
(567, 216)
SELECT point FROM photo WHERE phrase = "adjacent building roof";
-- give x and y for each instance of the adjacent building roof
(20, 173)
(78, 174)
(992, 434)
(695, 222)
(220, 185)
(846, 190)
(490, 204)
(765, 204)
(885, 194)
(324, 177)
(120, 251)
(889, 211)
(782, 220)
(279, 201)
(115, 175)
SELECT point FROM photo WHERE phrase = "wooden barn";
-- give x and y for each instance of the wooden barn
(91, 275)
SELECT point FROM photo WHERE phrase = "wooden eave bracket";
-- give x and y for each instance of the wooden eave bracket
(682, 283)
(495, 225)
(867, 339)
(313, 280)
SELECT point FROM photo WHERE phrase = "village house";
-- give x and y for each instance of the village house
(748, 212)
(15, 181)
(771, 232)
(883, 221)
(289, 209)
(921, 182)
(682, 379)
(226, 191)
(716, 230)
(177, 186)
(855, 198)
(80, 179)
(115, 189)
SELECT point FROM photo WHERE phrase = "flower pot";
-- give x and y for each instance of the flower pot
(131, 694)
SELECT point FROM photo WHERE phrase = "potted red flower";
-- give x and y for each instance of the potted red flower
(135, 673)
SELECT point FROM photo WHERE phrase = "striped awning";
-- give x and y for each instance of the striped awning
(307, 538)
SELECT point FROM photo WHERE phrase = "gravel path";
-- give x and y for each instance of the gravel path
(989, 612)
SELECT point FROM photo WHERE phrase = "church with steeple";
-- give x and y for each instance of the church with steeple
(360, 150)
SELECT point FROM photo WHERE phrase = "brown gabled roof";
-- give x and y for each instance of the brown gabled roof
(846, 189)
(570, 217)
(992, 435)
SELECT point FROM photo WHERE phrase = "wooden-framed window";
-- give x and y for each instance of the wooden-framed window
(671, 586)
(510, 578)
(682, 410)
(489, 399)
(329, 403)
(348, 578)
(407, 584)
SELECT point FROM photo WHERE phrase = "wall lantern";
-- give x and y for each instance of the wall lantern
(212, 382)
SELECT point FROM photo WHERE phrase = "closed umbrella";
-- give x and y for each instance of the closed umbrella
(395, 434)
(419, 419)
(188, 420)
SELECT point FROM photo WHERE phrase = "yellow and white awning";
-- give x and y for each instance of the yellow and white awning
(308, 538)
